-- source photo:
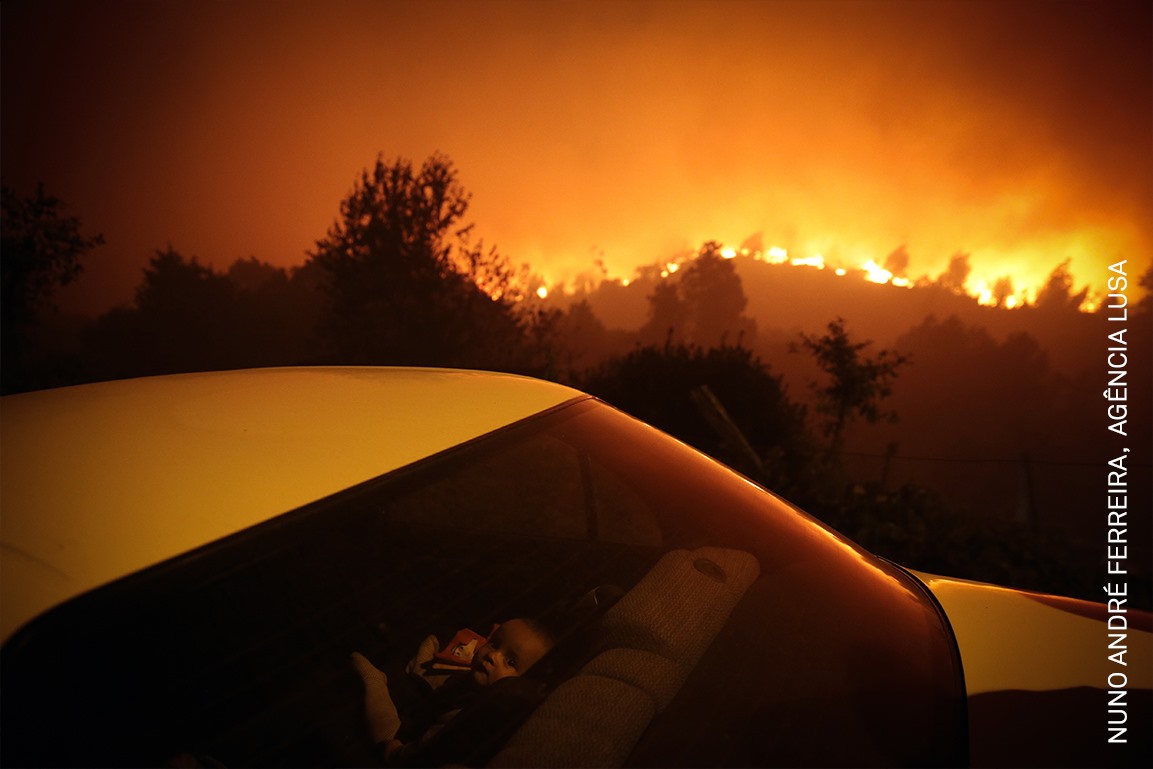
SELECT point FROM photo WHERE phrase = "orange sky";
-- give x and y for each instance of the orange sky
(1021, 133)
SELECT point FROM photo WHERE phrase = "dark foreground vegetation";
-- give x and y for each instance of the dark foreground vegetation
(401, 278)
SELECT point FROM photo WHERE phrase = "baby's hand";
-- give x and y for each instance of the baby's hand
(368, 672)
(424, 655)
(379, 709)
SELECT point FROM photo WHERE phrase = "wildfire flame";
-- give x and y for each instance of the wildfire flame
(998, 292)
(874, 273)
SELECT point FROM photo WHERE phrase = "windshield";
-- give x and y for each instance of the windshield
(692, 618)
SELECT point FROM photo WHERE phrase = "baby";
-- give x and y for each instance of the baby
(516, 646)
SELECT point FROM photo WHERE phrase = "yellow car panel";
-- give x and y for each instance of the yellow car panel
(1016, 640)
(200, 456)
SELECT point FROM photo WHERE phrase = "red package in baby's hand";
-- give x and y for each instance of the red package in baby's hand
(458, 652)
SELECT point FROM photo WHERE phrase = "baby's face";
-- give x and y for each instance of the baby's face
(512, 649)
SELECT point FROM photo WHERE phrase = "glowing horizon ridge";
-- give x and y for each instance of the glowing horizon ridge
(995, 293)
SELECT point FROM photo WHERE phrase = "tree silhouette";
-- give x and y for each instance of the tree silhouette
(580, 340)
(856, 385)
(703, 304)
(957, 273)
(183, 319)
(714, 298)
(41, 251)
(1057, 293)
(1002, 290)
(656, 383)
(276, 312)
(897, 262)
(186, 316)
(950, 403)
(666, 315)
(405, 283)
(1145, 305)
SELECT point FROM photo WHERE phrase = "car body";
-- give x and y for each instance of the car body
(189, 560)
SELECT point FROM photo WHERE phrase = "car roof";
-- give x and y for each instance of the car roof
(99, 481)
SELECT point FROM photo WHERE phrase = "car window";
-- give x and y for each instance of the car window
(622, 514)
(532, 487)
(694, 618)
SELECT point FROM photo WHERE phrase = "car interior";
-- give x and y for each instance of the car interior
(678, 637)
